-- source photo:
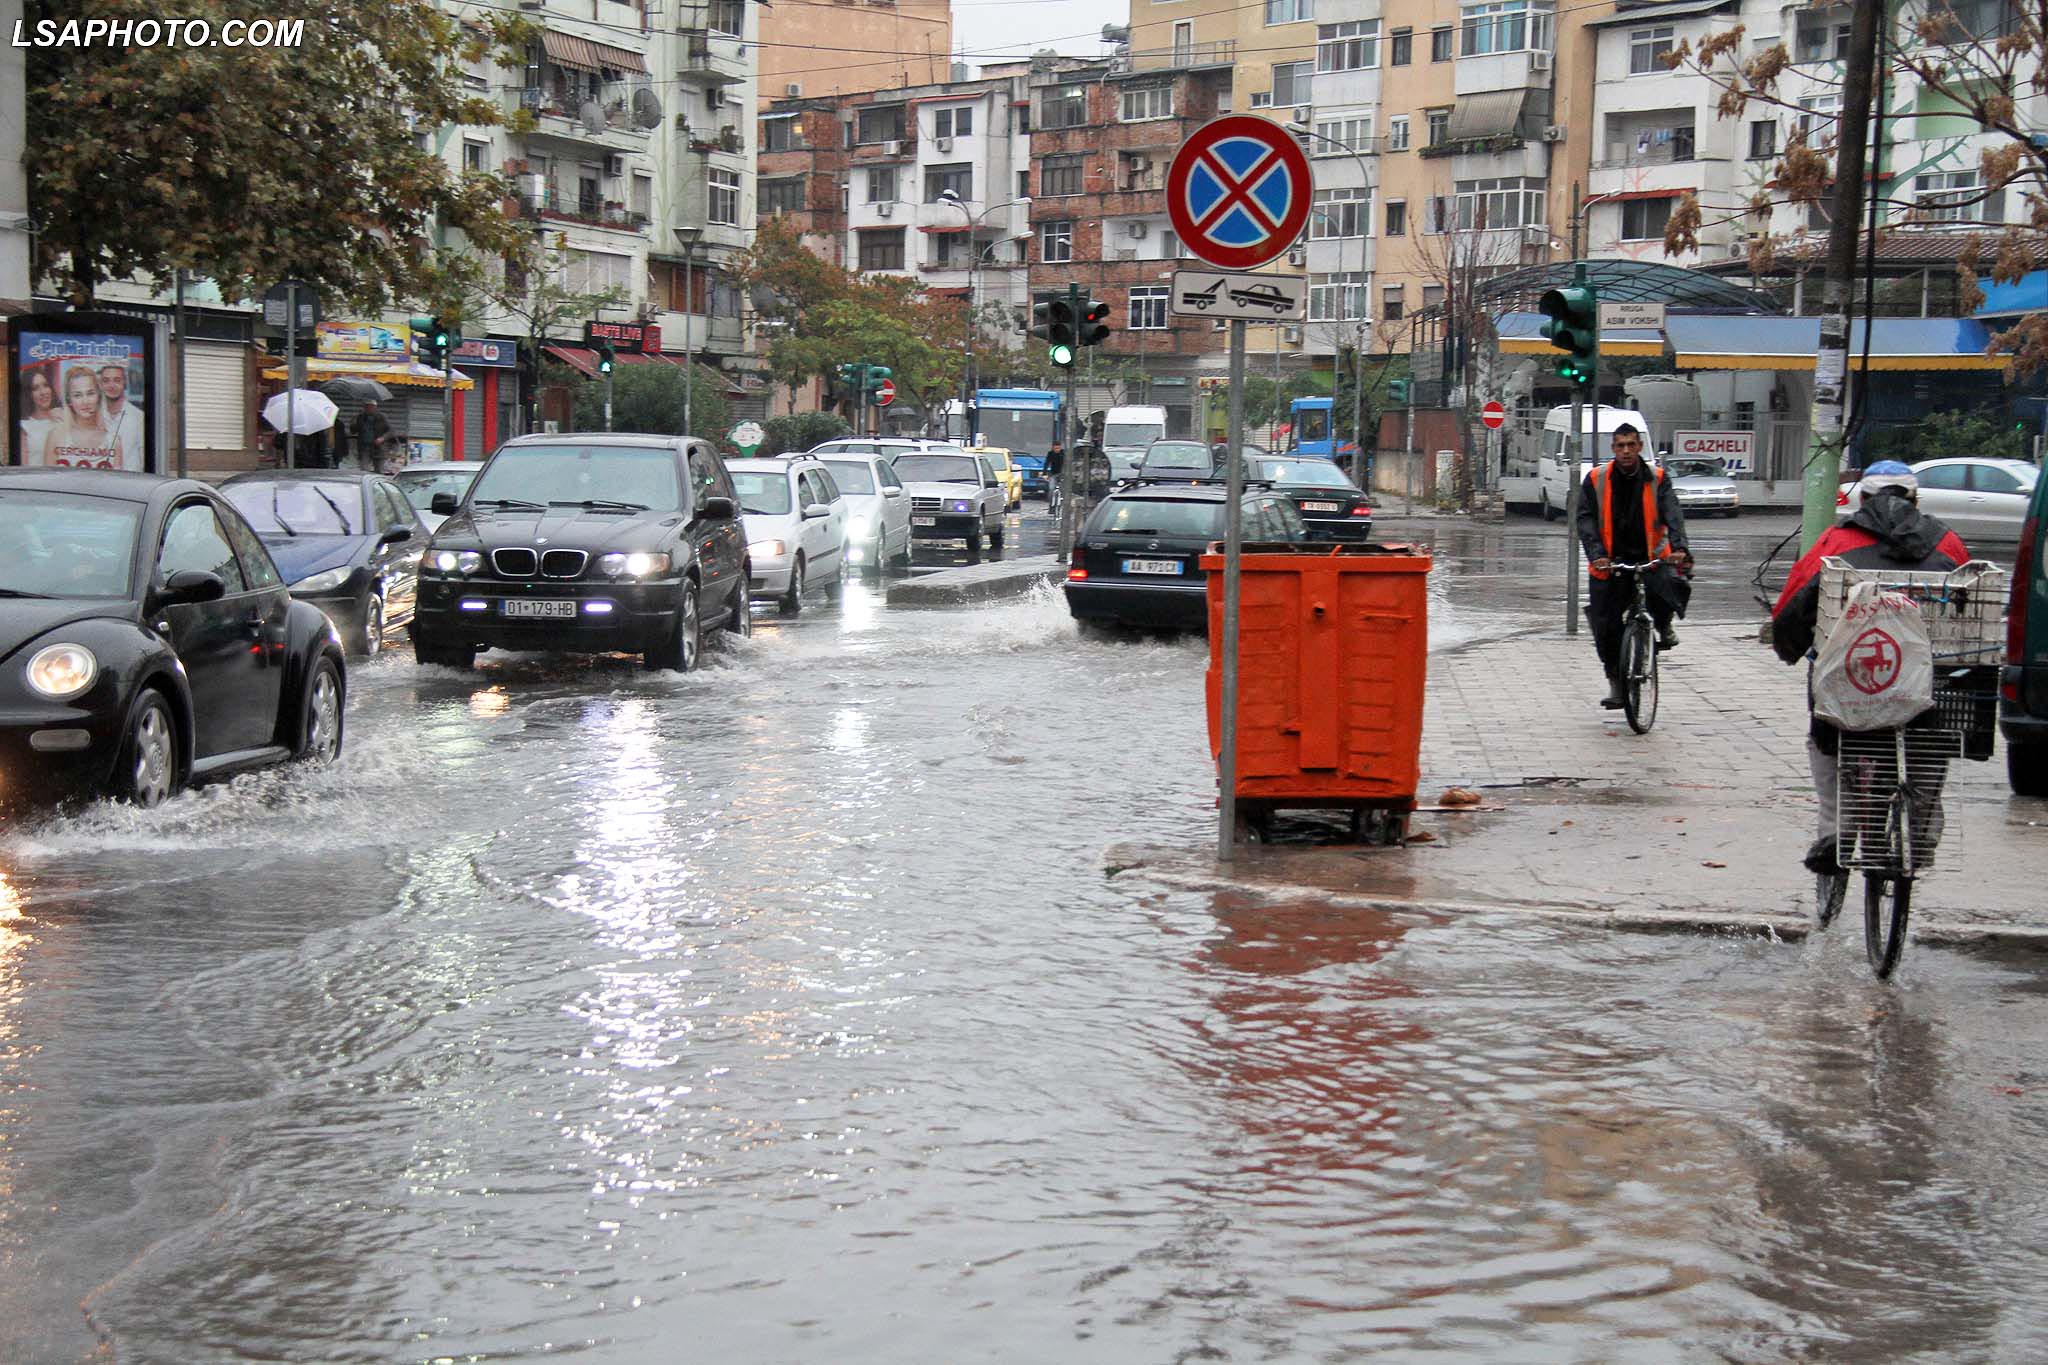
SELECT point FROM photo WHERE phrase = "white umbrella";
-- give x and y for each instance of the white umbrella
(306, 410)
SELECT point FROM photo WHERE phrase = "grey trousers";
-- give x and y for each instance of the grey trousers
(1928, 820)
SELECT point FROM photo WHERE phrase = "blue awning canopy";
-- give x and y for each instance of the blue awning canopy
(1777, 343)
(2027, 294)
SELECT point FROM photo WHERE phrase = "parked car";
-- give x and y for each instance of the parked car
(348, 542)
(2023, 708)
(1978, 499)
(1332, 507)
(796, 528)
(953, 496)
(148, 641)
(865, 445)
(587, 543)
(877, 510)
(1009, 474)
(419, 483)
(1138, 560)
(1703, 486)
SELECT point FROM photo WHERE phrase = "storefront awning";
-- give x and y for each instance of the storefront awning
(409, 374)
(1522, 334)
(566, 49)
(1657, 14)
(584, 359)
(1767, 343)
(2027, 294)
(1642, 194)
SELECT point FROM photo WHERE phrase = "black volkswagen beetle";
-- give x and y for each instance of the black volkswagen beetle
(589, 542)
(348, 542)
(148, 641)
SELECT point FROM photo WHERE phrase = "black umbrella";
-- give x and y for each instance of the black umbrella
(359, 388)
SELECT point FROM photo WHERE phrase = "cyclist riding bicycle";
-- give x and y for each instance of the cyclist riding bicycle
(1888, 531)
(1628, 512)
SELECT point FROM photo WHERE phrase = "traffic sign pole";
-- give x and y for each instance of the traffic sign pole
(1233, 554)
(1074, 452)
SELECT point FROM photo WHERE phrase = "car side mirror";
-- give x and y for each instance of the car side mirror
(397, 535)
(445, 504)
(816, 510)
(719, 508)
(193, 585)
(892, 492)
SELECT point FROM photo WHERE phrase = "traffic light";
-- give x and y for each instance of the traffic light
(846, 376)
(1397, 390)
(1053, 322)
(424, 330)
(1094, 323)
(875, 375)
(1574, 326)
(605, 356)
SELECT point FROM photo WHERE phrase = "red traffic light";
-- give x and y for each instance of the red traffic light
(1094, 329)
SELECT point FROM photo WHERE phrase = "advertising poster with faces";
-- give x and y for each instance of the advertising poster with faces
(80, 400)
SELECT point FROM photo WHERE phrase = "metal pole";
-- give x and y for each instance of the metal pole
(1067, 475)
(607, 400)
(689, 361)
(291, 374)
(451, 444)
(179, 352)
(1233, 554)
(1571, 514)
(1408, 435)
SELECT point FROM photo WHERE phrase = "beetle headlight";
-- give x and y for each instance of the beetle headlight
(60, 672)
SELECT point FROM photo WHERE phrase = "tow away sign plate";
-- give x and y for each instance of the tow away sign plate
(1259, 298)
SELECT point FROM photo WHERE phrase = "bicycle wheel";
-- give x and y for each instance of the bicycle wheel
(1887, 900)
(1639, 676)
(1828, 895)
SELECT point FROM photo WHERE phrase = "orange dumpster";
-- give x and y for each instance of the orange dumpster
(1333, 642)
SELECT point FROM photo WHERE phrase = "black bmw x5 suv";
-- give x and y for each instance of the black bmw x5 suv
(591, 543)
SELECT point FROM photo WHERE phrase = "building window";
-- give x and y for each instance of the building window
(955, 179)
(642, 202)
(1507, 202)
(881, 184)
(1290, 11)
(781, 134)
(1343, 136)
(1063, 106)
(1147, 102)
(1653, 142)
(1169, 246)
(1397, 133)
(1340, 213)
(473, 155)
(949, 250)
(1059, 176)
(1056, 241)
(1023, 184)
(1647, 49)
(1393, 302)
(729, 16)
(1137, 171)
(954, 122)
(1440, 43)
(1954, 197)
(883, 123)
(1973, 21)
(1816, 113)
(1291, 82)
(1438, 125)
(1505, 26)
(1353, 46)
(782, 196)
(1763, 138)
(881, 249)
(1397, 218)
(1401, 45)
(1643, 220)
(597, 272)
(723, 206)
(1148, 308)
(1336, 298)
(1823, 36)
(1432, 296)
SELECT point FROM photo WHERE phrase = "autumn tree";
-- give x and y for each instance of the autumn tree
(247, 164)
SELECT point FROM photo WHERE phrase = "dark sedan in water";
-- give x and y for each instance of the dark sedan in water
(1138, 561)
(1330, 504)
(348, 542)
(148, 641)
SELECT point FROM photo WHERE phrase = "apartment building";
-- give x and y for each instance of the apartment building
(818, 48)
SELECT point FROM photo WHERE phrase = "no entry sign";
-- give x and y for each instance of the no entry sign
(885, 392)
(1494, 415)
(1238, 191)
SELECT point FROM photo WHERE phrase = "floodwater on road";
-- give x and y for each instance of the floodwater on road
(792, 1011)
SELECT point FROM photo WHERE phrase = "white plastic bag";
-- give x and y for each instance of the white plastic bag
(1876, 668)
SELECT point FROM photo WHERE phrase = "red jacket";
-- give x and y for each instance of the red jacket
(1888, 531)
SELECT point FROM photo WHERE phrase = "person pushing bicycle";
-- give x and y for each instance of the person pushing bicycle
(1628, 513)
(1888, 531)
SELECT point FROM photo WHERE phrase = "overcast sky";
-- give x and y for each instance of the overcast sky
(1020, 27)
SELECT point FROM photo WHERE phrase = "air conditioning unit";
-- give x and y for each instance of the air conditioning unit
(1136, 229)
(892, 149)
(1303, 113)
(615, 165)
(885, 209)
(1297, 255)
(944, 144)
(533, 189)
(1535, 235)
(1553, 132)
(792, 90)
(1539, 61)
(1291, 335)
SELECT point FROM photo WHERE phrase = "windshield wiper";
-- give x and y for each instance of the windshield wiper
(339, 515)
(604, 505)
(17, 592)
(521, 503)
(278, 516)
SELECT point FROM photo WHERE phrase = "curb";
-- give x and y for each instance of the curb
(976, 582)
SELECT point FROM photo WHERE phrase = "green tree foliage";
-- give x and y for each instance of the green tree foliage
(1988, 435)
(649, 398)
(246, 164)
(801, 431)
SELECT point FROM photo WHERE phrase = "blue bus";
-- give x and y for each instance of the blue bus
(1021, 421)
(1314, 431)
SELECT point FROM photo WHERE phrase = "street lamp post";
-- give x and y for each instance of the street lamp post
(1358, 351)
(974, 255)
(688, 237)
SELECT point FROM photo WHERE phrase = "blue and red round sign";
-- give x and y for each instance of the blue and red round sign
(1238, 191)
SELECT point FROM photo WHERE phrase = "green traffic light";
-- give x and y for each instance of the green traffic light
(1060, 354)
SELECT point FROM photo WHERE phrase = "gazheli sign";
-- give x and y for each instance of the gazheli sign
(1738, 448)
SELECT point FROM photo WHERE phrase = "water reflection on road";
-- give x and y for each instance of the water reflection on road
(791, 1011)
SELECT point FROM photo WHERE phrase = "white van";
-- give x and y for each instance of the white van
(1133, 428)
(1553, 466)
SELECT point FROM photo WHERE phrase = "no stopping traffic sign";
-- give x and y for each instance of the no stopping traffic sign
(1238, 191)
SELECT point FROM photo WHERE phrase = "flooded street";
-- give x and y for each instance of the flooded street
(798, 1010)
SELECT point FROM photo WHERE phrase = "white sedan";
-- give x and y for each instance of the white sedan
(796, 528)
(1703, 486)
(421, 481)
(1977, 498)
(877, 509)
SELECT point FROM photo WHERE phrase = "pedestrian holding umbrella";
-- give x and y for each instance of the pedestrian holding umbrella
(356, 388)
(300, 411)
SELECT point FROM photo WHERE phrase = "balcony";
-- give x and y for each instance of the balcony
(1181, 57)
(1633, 151)
(608, 122)
(712, 57)
(552, 204)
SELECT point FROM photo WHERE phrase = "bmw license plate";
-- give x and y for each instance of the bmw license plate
(562, 611)
(1153, 566)
(924, 521)
(1322, 507)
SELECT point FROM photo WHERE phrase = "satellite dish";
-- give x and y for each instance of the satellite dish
(646, 108)
(592, 114)
(765, 300)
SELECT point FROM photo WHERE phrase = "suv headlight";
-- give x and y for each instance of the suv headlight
(455, 561)
(61, 672)
(324, 582)
(639, 564)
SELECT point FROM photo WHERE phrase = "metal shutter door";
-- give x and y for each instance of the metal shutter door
(216, 396)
